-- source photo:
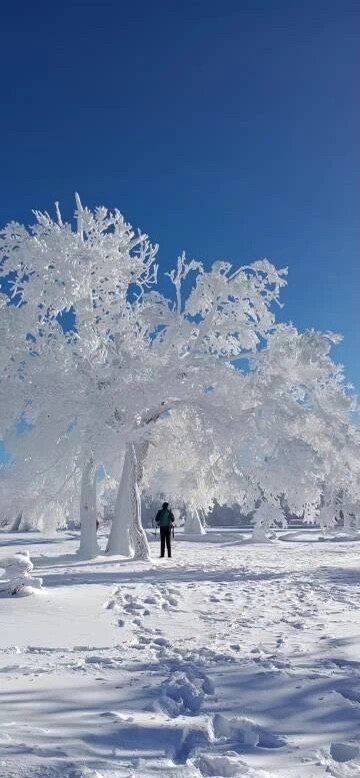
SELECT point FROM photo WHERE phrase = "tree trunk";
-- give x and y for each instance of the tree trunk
(259, 535)
(16, 524)
(88, 541)
(127, 536)
(202, 515)
(120, 541)
(193, 525)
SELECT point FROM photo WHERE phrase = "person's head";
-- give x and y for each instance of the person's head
(165, 505)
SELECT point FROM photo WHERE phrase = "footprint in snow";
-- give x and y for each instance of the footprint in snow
(352, 695)
(160, 642)
(239, 731)
(109, 604)
(225, 764)
(144, 639)
(344, 752)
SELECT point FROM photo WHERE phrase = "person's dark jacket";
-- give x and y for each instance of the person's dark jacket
(164, 517)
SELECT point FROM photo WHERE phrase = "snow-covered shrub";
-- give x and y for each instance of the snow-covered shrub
(16, 579)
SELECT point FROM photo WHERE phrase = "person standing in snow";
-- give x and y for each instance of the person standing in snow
(165, 520)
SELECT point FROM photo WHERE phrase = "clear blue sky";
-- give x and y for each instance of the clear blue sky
(226, 128)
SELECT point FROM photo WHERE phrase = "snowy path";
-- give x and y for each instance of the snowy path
(228, 660)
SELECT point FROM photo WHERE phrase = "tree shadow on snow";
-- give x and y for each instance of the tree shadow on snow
(73, 576)
(349, 576)
(298, 702)
(32, 540)
(69, 569)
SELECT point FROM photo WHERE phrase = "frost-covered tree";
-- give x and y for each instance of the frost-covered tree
(321, 455)
(309, 445)
(97, 356)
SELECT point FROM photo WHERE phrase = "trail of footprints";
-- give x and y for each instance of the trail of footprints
(210, 743)
(136, 608)
(164, 597)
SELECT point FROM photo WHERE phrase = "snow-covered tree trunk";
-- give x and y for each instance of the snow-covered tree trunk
(120, 541)
(141, 546)
(193, 525)
(259, 535)
(202, 515)
(127, 536)
(16, 523)
(51, 518)
(88, 541)
(266, 516)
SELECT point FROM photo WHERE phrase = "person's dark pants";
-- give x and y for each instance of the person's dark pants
(165, 537)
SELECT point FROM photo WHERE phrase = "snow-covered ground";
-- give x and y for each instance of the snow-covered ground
(230, 659)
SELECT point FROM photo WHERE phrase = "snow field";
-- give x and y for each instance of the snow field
(227, 660)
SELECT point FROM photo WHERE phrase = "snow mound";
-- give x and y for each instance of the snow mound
(15, 576)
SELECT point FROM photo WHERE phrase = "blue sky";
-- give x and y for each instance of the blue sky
(228, 129)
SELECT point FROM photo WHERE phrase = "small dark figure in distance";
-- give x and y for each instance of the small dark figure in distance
(165, 520)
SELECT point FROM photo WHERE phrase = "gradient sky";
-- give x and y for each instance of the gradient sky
(228, 129)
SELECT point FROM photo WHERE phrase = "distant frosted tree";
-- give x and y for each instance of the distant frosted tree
(265, 518)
